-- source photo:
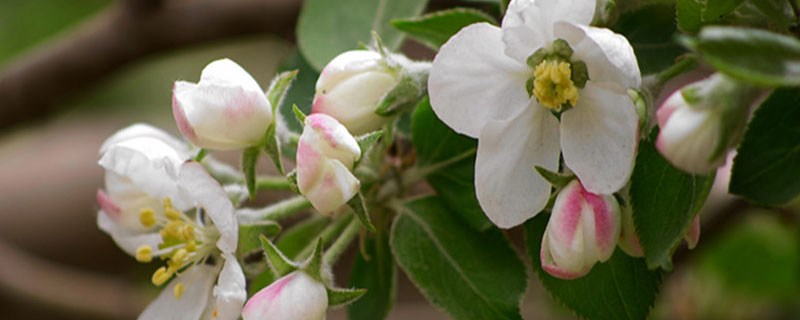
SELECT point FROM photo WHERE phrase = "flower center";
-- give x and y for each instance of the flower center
(556, 77)
(184, 243)
(552, 84)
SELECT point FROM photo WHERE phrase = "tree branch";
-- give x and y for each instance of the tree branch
(35, 85)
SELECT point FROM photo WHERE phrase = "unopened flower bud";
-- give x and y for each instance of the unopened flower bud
(326, 154)
(296, 296)
(583, 230)
(350, 88)
(225, 110)
(696, 134)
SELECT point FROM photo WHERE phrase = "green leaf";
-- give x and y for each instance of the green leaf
(301, 92)
(620, 288)
(750, 55)
(665, 200)
(249, 234)
(327, 28)
(360, 211)
(689, 15)
(338, 297)
(298, 114)
(715, 9)
(292, 241)
(272, 147)
(377, 273)
(500, 4)
(766, 169)
(249, 160)
(651, 32)
(434, 29)
(469, 274)
(435, 142)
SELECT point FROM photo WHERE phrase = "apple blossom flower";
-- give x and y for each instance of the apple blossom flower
(149, 188)
(505, 86)
(583, 230)
(696, 137)
(226, 110)
(296, 296)
(326, 154)
(350, 88)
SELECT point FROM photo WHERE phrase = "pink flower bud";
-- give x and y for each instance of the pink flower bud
(350, 88)
(583, 230)
(225, 110)
(296, 296)
(326, 154)
(688, 135)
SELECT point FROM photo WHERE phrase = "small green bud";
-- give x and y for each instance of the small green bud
(580, 74)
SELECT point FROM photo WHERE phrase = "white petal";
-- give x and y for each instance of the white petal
(346, 65)
(197, 282)
(225, 72)
(528, 25)
(608, 55)
(209, 194)
(353, 100)
(144, 130)
(230, 290)
(599, 137)
(126, 239)
(508, 187)
(472, 81)
(296, 296)
(150, 164)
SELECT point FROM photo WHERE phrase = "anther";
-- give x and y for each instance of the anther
(144, 253)
(147, 217)
(179, 257)
(178, 290)
(161, 276)
(172, 214)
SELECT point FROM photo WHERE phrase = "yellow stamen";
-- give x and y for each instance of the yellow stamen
(147, 217)
(552, 84)
(173, 230)
(178, 290)
(172, 214)
(161, 276)
(191, 246)
(144, 253)
(179, 257)
(187, 232)
(167, 202)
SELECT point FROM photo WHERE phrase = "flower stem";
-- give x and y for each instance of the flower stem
(342, 242)
(272, 183)
(200, 155)
(327, 235)
(684, 65)
(276, 211)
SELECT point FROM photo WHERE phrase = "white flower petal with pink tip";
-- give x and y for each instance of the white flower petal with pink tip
(481, 77)
(326, 154)
(225, 110)
(296, 296)
(583, 230)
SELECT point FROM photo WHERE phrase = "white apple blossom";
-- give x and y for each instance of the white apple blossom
(351, 86)
(149, 188)
(505, 86)
(583, 230)
(296, 296)
(326, 154)
(226, 110)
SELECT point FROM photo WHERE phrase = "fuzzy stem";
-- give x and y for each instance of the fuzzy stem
(272, 183)
(327, 235)
(276, 211)
(342, 242)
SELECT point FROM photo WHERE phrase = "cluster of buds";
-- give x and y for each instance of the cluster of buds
(702, 121)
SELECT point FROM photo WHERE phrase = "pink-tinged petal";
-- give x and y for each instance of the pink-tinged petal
(139, 130)
(672, 103)
(608, 55)
(473, 82)
(230, 290)
(126, 239)
(688, 138)
(599, 138)
(347, 65)
(529, 25)
(549, 265)
(508, 187)
(180, 118)
(296, 296)
(108, 205)
(693, 235)
(334, 187)
(354, 100)
(210, 195)
(197, 282)
(332, 139)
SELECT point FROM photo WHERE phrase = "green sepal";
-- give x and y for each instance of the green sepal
(278, 263)
(272, 147)
(562, 48)
(557, 179)
(313, 266)
(250, 234)
(529, 87)
(403, 96)
(299, 114)
(580, 74)
(536, 58)
(338, 297)
(641, 109)
(249, 160)
(365, 142)
(360, 210)
(278, 89)
(292, 178)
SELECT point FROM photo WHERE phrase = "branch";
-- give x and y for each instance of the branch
(36, 84)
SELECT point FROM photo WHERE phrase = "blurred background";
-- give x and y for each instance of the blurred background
(73, 72)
